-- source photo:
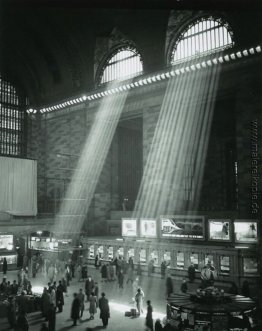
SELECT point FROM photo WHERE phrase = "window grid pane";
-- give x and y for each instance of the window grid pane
(204, 37)
(123, 64)
(11, 120)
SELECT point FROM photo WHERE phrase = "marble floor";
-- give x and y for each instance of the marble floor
(120, 300)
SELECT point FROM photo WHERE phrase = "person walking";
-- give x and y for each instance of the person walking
(149, 317)
(22, 322)
(184, 286)
(104, 309)
(135, 286)
(163, 269)
(75, 309)
(59, 297)
(130, 274)
(191, 271)
(139, 297)
(93, 305)
(45, 299)
(79, 272)
(158, 325)
(51, 317)
(81, 298)
(4, 266)
(169, 286)
(89, 284)
(120, 278)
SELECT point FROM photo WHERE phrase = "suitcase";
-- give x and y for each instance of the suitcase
(128, 313)
(133, 312)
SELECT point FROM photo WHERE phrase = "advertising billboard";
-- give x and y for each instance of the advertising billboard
(245, 231)
(129, 227)
(219, 229)
(183, 227)
(148, 228)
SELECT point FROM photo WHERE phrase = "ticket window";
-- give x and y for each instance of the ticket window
(11, 259)
(154, 257)
(167, 257)
(110, 253)
(194, 260)
(100, 252)
(130, 253)
(224, 265)
(209, 259)
(180, 260)
(120, 252)
(142, 256)
(250, 265)
(91, 252)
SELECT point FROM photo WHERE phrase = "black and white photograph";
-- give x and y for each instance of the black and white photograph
(130, 165)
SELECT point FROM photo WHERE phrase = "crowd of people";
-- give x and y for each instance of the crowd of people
(59, 275)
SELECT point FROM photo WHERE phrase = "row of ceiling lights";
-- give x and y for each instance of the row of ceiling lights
(149, 80)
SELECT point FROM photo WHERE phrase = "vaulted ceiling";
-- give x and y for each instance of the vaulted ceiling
(48, 47)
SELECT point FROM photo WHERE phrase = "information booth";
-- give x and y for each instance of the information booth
(210, 311)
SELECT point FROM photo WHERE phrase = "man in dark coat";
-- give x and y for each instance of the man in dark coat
(191, 273)
(169, 286)
(75, 309)
(4, 266)
(104, 309)
(45, 300)
(60, 297)
(89, 285)
(104, 272)
(149, 317)
(51, 317)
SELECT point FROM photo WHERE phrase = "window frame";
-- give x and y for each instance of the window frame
(106, 62)
(183, 31)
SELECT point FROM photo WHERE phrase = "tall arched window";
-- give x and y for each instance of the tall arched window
(123, 64)
(12, 120)
(206, 36)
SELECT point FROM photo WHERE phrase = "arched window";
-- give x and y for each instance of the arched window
(123, 64)
(203, 37)
(12, 120)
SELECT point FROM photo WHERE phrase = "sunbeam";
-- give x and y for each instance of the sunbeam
(84, 180)
(177, 155)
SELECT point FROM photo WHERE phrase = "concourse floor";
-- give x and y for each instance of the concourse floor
(120, 300)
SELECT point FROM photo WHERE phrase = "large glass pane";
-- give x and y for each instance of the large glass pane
(205, 36)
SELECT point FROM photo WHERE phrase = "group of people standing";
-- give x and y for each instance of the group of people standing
(77, 308)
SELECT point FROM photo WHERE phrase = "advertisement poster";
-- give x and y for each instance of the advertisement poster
(183, 227)
(219, 229)
(250, 265)
(245, 231)
(6, 241)
(148, 228)
(129, 227)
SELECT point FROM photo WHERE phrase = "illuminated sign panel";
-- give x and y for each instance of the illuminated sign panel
(183, 227)
(148, 228)
(219, 229)
(129, 227)
(245, 231)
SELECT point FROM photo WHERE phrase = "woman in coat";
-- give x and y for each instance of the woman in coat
(93, 305)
